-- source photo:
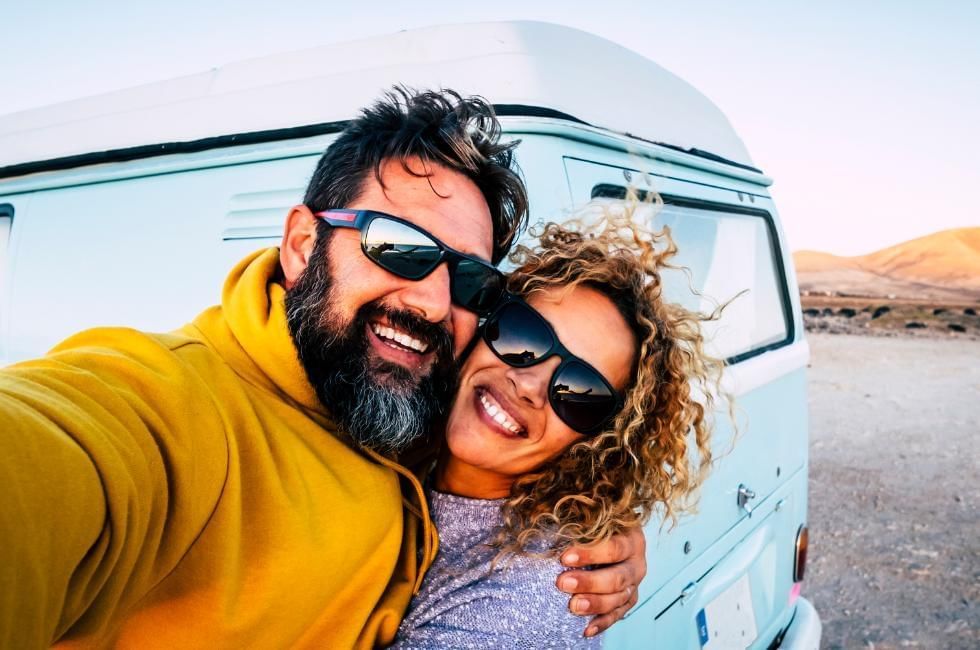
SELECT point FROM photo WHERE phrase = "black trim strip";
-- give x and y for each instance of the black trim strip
(150, 150)
(524, 110)
(291, 133)
(701, 153)
(610, 191)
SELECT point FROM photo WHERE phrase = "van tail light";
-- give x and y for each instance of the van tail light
(802, 539)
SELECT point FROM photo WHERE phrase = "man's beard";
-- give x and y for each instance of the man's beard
(380, 404)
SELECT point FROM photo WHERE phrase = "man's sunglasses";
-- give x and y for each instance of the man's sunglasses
(409, 252)
(578, 393)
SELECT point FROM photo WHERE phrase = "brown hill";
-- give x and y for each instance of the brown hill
(947, 258)
(815, 261)
(942, 265)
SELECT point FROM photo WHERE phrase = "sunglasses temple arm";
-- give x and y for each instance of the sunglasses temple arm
(342, 218)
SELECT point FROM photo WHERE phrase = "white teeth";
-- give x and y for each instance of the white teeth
(499, 415)
(399, 337)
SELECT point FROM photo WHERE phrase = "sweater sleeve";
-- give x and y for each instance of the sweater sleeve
(112, 457)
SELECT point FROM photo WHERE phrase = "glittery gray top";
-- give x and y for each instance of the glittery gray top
(463, 605)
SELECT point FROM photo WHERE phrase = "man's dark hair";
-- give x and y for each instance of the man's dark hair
(460, 133)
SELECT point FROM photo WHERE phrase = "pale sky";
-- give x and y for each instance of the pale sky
(866, 114)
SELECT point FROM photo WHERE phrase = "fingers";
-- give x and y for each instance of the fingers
(618, 548)
(601, 604)
(615, 549)
(607, 592)
(602, 623)
(613, 579)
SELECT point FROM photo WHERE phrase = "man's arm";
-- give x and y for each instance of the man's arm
(92, 475)
(609, 591)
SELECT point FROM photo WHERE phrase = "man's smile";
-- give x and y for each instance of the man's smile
(398, 346)
(399, 339)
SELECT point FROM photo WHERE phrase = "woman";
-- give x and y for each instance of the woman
(571, 423)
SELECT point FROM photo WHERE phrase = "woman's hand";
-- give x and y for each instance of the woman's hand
(609, 590)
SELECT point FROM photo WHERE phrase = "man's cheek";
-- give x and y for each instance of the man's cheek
(464, 329)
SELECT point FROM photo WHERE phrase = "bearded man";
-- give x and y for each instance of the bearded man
(234, 483)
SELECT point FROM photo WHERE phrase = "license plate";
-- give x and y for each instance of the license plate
(728, 621)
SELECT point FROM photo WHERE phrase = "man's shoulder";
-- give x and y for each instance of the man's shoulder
(126, 352)
(106, 343)
(126, 339)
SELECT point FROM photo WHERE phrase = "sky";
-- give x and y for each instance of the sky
(865, 114)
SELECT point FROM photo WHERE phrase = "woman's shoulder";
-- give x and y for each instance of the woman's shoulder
(514, 604)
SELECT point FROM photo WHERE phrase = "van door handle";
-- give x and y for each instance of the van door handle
(744, 496)
(687, 592)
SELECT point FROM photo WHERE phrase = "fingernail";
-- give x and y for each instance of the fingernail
(592, 631)
(581, 605)
(569, 584)
(571, 558)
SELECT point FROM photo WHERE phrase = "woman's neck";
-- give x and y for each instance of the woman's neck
(453, 476)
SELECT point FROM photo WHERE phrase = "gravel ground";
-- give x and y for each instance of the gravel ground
(894, 556)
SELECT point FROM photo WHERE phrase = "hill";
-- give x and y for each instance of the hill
(943, 265)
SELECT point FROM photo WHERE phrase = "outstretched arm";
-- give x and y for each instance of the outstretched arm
(608, 591)
(95, 499)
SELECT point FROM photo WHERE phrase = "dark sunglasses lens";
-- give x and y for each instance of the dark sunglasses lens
(581, 398)
(401, 249)
(476, 286)
(518, 335)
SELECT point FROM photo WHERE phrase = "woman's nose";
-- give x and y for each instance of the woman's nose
(531, 383)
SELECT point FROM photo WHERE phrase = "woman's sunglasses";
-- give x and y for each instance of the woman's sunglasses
(578, 393)
(409, 252)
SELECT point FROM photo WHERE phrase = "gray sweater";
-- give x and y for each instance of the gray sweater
(463, 605)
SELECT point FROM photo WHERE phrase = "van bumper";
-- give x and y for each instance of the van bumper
(805, 630)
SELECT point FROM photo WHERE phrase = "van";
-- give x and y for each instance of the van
(130, 208)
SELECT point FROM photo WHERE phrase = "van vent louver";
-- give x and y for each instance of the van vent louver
(259, 215)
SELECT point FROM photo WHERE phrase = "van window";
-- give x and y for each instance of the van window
(726, 254)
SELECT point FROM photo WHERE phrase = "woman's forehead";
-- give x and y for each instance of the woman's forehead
(591, 327)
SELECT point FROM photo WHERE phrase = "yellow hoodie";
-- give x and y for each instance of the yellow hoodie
(187, 490)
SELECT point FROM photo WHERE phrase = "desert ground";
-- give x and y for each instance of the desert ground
(894, 558)
(920, 318)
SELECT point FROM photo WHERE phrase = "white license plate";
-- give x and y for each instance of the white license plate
(728, 621)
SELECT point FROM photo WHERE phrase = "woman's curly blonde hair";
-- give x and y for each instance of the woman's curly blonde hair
(645, 462)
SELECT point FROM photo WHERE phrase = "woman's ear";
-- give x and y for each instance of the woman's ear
(298, 239)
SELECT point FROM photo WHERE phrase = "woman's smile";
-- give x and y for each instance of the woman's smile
(496, 411)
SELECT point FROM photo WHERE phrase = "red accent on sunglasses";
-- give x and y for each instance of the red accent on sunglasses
(339, 215)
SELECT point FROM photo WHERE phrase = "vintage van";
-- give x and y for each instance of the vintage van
(130, 208)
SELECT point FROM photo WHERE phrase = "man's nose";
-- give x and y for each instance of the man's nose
(429, 297)
(531, 383)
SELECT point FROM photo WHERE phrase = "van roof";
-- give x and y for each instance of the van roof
(564, 71)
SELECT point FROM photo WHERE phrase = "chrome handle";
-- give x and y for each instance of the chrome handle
(688, 591)
(744, 496)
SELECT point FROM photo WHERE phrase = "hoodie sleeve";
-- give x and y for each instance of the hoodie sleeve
(104, 488)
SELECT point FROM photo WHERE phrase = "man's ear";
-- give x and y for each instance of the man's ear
(298, 239)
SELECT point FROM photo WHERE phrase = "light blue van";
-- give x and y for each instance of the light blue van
(130, 208)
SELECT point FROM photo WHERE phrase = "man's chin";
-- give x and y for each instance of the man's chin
(394, 377)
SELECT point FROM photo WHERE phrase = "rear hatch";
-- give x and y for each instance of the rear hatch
(729, 242)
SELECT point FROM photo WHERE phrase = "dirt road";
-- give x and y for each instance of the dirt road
(894, 491)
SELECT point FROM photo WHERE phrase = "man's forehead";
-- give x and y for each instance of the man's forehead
(440, 200)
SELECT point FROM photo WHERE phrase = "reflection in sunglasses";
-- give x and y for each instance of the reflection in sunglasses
(520, 358)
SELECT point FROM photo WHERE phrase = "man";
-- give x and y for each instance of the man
(232, 484)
